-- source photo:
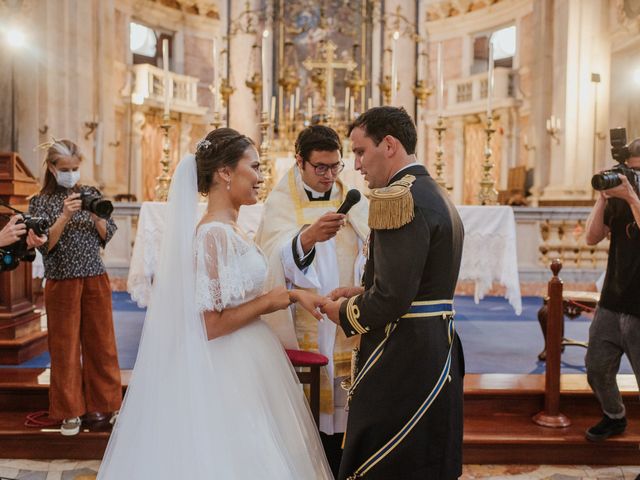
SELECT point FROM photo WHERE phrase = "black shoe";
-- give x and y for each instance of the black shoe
(606, 428)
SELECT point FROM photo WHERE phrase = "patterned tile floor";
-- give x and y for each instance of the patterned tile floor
(86, 470)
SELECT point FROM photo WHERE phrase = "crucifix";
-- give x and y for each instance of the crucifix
(329, 63)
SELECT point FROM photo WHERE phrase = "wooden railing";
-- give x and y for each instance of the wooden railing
(551, 416)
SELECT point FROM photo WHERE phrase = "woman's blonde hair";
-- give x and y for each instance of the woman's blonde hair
(56, 149)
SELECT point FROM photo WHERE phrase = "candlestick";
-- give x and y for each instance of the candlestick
(490, 79)
(272, 111)
(440, 82)
(167, 79)
(265, 69)
(309, 108)
(216, 87)
(292, 107)
(394, 68)
(363, 93)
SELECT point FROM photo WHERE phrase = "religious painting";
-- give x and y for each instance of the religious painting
(305, 28)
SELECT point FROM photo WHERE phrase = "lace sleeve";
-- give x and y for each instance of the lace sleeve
(220, 281)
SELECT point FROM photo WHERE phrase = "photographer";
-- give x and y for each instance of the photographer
(14, 231)
(85, 375)
(615, 329)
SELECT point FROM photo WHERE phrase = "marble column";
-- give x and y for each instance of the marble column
(244, 113)
(581, 47)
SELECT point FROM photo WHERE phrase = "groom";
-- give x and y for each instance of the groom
(405, 416)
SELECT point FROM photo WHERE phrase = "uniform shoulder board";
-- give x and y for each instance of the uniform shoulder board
(391, 207)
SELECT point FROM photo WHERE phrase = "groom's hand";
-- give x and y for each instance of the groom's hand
(345, 292)
(332, 310)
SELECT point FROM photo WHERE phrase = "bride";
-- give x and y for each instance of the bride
(212, 394)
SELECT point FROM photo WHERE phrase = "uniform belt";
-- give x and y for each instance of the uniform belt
(430, 308)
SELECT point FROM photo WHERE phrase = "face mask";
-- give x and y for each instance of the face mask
(67, 179)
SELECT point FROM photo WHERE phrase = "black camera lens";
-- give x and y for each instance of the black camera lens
(96, 204)
(605, 180)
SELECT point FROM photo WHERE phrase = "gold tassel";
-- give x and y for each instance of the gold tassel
(392, 207)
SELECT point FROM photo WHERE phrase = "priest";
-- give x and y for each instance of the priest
(308, 245)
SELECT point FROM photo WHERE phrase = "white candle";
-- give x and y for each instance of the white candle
(490, 79)
(369, 103)
(280, 104)
(292, 107)
(352, 107)
(440, 80)
(309, 108)
(347, 94)
(394, 68)
(297, 98)
(216, 96)
(273, 109)
(167, 78)
(363, 93)
(265, 70)
(421, 58)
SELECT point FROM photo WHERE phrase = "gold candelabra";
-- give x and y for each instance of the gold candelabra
(255, 85)
(226, 90)
(422, 92)
(164, 179)
(385, 88)
(488, 194)
(440, 128)
(265, 158)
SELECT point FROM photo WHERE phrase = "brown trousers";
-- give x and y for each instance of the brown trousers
(85, 375)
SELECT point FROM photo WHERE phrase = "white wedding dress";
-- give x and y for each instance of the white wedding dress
(229, 408)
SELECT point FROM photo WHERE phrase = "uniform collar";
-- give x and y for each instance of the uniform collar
(414, 168)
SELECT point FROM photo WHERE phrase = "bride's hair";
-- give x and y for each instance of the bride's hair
(222, 147)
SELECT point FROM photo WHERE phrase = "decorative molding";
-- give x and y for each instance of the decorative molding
(490, 15)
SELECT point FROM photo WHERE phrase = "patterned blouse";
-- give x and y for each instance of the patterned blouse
(77, 253)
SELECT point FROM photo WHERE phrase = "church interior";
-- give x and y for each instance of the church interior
(513, 101)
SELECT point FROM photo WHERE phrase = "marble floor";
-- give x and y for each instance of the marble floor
(86, 470)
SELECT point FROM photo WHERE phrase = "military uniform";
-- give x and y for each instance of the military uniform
(405, 415)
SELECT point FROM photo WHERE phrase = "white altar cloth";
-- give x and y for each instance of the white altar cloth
(489, 253)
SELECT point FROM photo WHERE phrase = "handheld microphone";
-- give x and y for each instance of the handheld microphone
(353, 197)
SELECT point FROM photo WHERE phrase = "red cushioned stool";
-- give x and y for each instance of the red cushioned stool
(313, 361)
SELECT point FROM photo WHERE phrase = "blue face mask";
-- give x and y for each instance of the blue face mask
(67, 179)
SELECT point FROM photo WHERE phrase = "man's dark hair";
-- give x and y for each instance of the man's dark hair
(378, 122)
(317, 137)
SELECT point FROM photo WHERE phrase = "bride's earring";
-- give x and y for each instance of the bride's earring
(229, 184)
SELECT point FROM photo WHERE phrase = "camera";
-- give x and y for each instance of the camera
(96, 204)
(620, 153)
(11, 255)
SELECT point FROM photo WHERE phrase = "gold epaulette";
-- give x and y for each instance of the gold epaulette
(391, 207)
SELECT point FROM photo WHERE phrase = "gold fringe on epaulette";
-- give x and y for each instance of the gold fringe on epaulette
(391, 207)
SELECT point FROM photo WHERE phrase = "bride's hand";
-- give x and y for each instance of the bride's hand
(309, 301)
(277, 299)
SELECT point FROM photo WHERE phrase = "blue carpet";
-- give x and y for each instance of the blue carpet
(495, 340)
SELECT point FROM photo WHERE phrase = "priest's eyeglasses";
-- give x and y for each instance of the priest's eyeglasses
(321, 170)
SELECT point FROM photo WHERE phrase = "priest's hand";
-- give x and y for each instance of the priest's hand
(345, 292)
(332, 310)
(324, 228)
(309, 301)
